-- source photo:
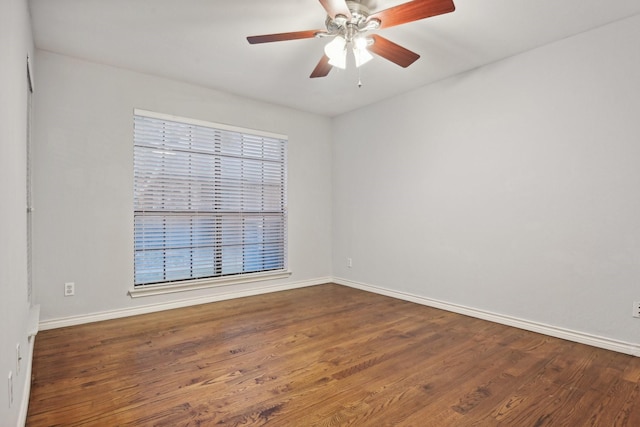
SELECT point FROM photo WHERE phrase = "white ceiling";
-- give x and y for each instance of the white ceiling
(204, 42)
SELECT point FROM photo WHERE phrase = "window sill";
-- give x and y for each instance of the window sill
(191, 285)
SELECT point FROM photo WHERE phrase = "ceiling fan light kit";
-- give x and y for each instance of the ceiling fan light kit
(348, 22)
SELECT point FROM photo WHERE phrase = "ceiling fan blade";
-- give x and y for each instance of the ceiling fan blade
(336, 7)
(412, 11)
(267, 38)
(393, 52)
(323, 68)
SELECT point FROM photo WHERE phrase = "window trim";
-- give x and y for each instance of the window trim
(197, 122)
(211, 282)
(218, 281)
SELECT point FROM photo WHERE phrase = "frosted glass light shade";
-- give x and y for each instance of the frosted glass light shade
(362, 55)
(337, 53)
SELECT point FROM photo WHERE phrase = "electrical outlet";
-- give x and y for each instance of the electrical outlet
(18, 359)
(69, 289)
(636, 309)
(10, 390)
(349, 262)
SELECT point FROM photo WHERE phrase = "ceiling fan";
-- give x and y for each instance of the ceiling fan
(349, 23)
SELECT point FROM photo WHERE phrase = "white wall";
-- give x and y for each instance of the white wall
(514, 188)
(15, 44)
(83, 183)
(510, 189)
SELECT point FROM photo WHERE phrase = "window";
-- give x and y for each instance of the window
(209, 201)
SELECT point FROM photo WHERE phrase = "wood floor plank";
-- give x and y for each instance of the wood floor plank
(323, 356)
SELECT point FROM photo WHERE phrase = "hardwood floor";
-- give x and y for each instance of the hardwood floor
(324, 356)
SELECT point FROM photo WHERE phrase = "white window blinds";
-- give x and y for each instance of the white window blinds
(210, 200)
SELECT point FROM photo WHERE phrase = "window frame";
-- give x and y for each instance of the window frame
(169, 286)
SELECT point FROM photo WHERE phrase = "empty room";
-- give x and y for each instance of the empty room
(320, 213)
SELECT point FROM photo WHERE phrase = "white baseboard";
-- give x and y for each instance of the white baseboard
(152, 308)
(567, 334)
(554, 331)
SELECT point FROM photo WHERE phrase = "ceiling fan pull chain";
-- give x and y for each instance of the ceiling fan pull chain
(359, 79)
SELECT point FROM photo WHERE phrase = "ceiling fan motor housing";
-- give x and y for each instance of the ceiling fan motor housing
(348, 28)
